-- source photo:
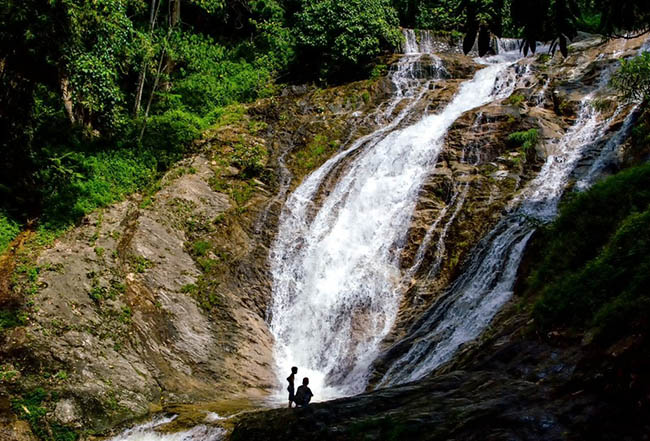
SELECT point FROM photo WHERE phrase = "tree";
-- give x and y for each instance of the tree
(336, 35)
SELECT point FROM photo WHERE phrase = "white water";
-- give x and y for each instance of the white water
(423, 42)
(487, 281)
(336, 268)
(150, 432)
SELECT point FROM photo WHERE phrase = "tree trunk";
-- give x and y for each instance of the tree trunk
(175, 16)
(67, 98)
(153, 14)
(174, 20)
(153, 90)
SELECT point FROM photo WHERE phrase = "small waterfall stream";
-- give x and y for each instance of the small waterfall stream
(487, 282)
(336, 267)
(149, 432)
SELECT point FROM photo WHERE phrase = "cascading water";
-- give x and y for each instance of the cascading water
(336, 268)
(149, 432)
(487, 281)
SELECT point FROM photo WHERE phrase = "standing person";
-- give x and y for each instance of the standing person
(290, 378)
(303, 394)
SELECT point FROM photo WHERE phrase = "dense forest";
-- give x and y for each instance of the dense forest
(100, 96)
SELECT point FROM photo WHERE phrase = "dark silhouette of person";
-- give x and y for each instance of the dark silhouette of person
(294, 371)
(303, 394)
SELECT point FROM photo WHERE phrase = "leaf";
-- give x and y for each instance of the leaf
(470, 37)
(483, 41)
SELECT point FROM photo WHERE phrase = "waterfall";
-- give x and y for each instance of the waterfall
(420, 43)
(335, 267)
(469, 305)
(504, 45)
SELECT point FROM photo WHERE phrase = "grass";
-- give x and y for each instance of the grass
(201, 248)
(526, 140)
(516, 99)
(103, 178)
(600, 283)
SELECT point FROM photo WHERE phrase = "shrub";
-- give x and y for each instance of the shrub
(249, 157)
(169, 134)
(33, 408)
(201, 247)
(600, 282)
(632, 80)
(9, 229)
(337, 34)
(516, 99)
(526, 140)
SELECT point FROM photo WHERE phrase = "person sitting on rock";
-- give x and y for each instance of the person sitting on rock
(303, 394)
(294, 371)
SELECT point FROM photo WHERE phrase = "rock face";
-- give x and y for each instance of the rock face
(163, 298)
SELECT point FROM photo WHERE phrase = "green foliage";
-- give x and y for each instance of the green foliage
(590, 21)
(7, 373)
(33, 407)
(439, 15)
(10, 318)
(526, 140)
(71, 152)
(98, 179)
(140, 263)
(632, 80)
(516, 99)
(249, 157)
(601, 282)
(210, 75)
(61, 375)
(378, 70)
(170, 133)
(9, 229)
(338, 34)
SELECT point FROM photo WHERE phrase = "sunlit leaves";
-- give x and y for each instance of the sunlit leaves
(632, 80)
(347, 32)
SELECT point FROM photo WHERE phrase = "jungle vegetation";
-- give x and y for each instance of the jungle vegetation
(98, 97)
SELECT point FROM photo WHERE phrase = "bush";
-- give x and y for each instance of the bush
(169, 135)
(9, 229)
(33, 408)
(337, 34)
(600, 282)
(632, 80)
(439, 16)
(526, 140)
